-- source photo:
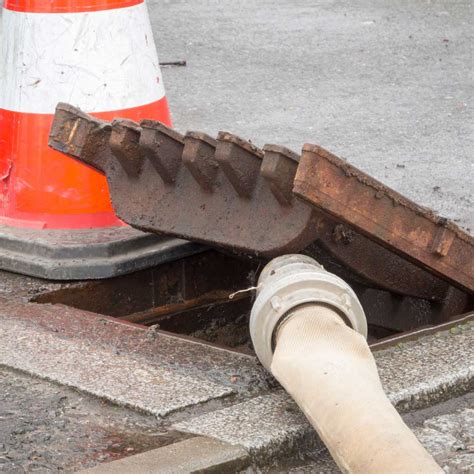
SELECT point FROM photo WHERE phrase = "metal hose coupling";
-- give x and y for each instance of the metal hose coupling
(294, 280)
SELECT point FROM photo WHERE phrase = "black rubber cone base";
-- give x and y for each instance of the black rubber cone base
(82, 254)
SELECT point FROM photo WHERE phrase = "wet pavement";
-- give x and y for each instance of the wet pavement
(47, 427)
(386, 86)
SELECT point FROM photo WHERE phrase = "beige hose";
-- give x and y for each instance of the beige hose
(328, 369)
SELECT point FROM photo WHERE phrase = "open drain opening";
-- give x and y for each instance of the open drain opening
(190, 297)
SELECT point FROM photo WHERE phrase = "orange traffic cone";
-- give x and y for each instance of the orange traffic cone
(98, 55)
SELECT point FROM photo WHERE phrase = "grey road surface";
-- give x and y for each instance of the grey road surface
(387, 84)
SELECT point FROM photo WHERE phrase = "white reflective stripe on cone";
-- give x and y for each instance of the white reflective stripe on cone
(98, 61)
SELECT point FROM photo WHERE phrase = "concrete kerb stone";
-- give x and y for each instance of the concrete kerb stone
(63, 348)
(183, 356)
(415, 374)
(193, 455)
(124, 379)
(268, 427)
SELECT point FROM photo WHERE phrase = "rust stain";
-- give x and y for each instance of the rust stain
(191, 186)
(383, 215)
(227, 193)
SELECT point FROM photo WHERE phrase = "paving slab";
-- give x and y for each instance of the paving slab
(161, 374)
(415, 374)
(196, 455)
(45, 427)
(445, 430)
(430, 369)
(450, 439)
(120, 378)
(233, 371)
(268, 426)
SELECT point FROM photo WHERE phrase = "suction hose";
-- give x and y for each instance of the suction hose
(309, 329)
